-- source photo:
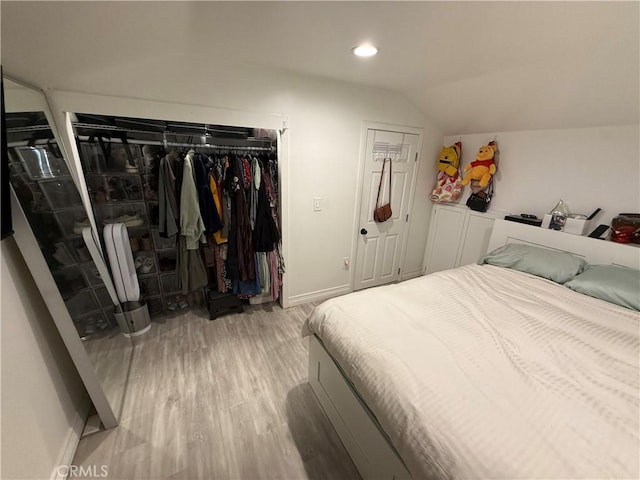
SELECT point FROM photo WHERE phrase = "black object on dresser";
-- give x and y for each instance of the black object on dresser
(524, 218)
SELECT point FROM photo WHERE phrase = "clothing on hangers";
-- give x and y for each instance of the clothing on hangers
(191, 224)
(224, 195)
(192, 274)
(208, 210)
(256, 176)
(265, 274)
(219, 236)
(265, 233)
(168, 214)
(223, 282)
(233, 200)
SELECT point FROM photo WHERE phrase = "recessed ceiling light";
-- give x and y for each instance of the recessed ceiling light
(365, 50)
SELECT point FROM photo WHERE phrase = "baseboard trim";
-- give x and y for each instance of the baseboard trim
(319, 295)
(69, 450)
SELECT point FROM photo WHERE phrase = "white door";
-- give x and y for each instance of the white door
(381, 245)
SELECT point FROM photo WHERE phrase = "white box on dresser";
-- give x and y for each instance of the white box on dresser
(457, 236)
(575, 226)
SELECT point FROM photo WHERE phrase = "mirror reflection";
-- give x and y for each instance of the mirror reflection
(50, 199)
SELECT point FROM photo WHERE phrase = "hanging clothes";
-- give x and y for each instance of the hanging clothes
(231, 185)
(191, 224)
(192, 273)
(276, 278)
(263, 269)
(265, 233)
(208, 210)
(223, 282)
(167, 203)
(256, 174)
(272, 195)
(272, 165)
(221, 175)
(233, 201)
(246, 261)
(175, 160)
(246, 172)
(251, 288)
(240, 259)
(226, 205)
(219, 236)
(172, 166)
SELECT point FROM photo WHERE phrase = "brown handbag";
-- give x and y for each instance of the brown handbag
(383, 213)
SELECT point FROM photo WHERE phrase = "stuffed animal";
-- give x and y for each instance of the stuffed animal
(448, 182)
(450, 159)
(483, 167)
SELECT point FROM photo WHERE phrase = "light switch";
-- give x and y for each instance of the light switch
(317, 204)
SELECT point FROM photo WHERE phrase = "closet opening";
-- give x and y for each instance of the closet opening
(201, 204)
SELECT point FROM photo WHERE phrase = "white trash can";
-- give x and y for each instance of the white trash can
(133, 318)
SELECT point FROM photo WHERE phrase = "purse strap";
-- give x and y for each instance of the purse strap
(105, 148)
(384, 162)
(127, 149)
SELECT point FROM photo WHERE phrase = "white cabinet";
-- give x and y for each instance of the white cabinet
(457, 236)
(445, 235)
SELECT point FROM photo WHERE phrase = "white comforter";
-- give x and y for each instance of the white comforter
(484, 372)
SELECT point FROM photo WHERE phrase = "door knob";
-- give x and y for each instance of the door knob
(363, 231)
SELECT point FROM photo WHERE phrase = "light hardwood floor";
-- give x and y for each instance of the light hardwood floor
(111, 353)
(221, 399)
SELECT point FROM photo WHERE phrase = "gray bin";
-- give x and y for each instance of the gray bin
(133, 318)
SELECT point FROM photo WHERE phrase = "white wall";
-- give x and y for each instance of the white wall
(322, 148)
(324, 151)
(43, 401)
(586, 167)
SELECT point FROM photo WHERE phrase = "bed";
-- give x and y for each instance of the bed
(483, 371)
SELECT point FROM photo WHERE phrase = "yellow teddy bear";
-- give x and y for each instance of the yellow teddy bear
(483, 167)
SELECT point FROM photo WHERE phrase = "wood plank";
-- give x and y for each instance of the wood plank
(221, 399)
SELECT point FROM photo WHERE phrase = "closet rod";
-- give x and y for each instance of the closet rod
(85, 138)
(32, 128)
(221, 147)
(32, 143)
(110, 128)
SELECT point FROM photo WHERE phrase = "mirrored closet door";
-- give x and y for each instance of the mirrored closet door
(48, 219)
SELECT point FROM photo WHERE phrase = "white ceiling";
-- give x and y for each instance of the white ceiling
(470, 66)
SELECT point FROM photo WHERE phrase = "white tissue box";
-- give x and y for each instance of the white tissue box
(575, 226)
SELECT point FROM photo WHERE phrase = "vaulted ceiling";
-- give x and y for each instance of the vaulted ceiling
(470, 66)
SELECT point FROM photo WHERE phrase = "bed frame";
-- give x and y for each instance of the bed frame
(364, 440)
(361, 435)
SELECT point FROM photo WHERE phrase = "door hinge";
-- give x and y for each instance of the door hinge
(416, 157)
(407, 218)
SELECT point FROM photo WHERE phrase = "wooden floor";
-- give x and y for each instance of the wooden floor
(110, 353)
(222, 399)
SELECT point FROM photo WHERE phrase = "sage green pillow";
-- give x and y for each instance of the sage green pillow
(613, 284)
(542, 262)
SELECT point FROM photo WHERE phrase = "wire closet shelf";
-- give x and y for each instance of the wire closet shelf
(116, 134)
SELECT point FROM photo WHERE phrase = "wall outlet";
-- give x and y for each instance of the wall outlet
(317, 204)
